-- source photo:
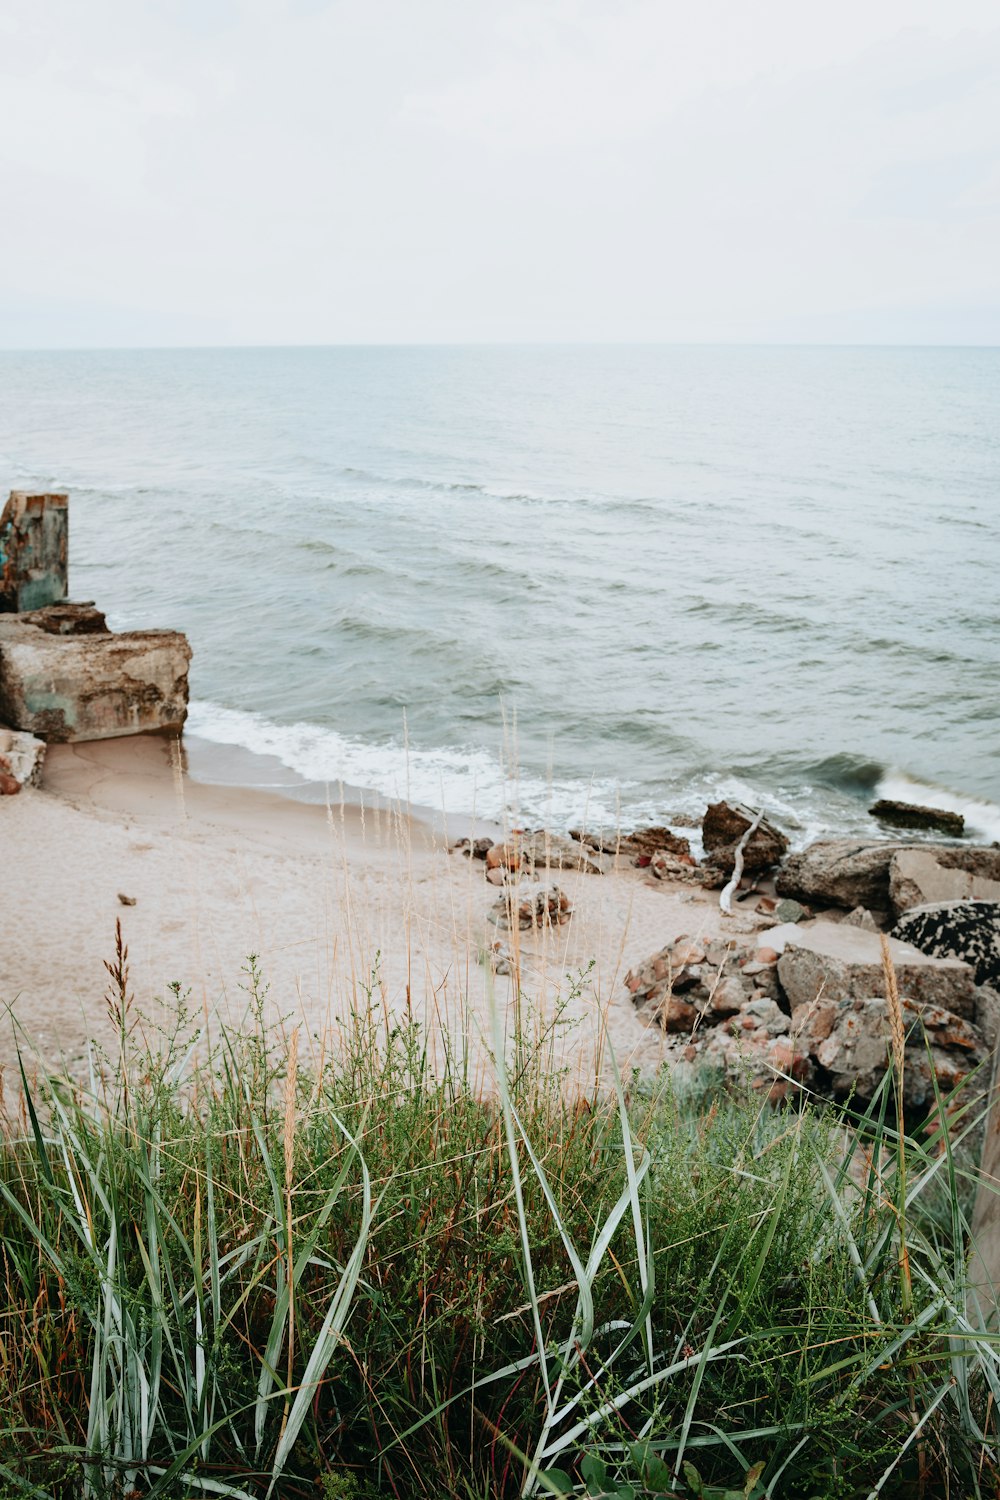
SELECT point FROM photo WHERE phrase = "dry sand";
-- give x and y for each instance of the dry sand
(324, 895)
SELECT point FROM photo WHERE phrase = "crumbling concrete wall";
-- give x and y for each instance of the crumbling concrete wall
(92, 686)
(34, 540)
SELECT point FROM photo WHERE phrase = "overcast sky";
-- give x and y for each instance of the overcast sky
(326, 171)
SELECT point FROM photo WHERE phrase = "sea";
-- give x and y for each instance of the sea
(553, 584)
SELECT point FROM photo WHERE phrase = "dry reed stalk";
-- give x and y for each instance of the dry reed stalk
(291, 1079)
(894, 1008)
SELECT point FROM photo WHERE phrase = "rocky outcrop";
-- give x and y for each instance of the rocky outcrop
(712, 978)
(722, 828)
(958, 930)
(909, 815)
(94, 685)
(928, 876)
(21, 760)
(833, 960)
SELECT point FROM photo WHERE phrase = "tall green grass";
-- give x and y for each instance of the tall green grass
(265, 1264)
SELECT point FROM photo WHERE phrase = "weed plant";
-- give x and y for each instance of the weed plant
(227, 1271)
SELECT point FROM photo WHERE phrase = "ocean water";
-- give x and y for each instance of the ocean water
(573, 582)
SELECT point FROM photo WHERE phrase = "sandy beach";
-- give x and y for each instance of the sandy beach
(325, 895)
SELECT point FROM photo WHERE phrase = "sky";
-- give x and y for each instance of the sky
(395, 171)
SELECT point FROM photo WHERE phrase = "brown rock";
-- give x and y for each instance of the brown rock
(723, 827)
(909, 815)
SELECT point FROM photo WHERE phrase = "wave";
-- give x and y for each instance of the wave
(461, 780)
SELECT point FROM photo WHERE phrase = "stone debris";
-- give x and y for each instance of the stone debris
(849, 1039)
(910, 815)
(802, 1006)
(126, 900)
(473, 848)
(21, 759)
(965, 930)
(929, 875)
(535, 905)
(530, 850)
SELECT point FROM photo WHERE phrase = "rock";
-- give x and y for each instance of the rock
(909, 815)
(861, 917)
(965, 930)
(722, 828)
(930, 875)
(473, 848)
(9, 785)
(500, 957)
(706, 974)
(68, 619)
(541, 850)
(838, 872)
(674, 1014)
(34, 532)
(126, 900)
(21, 757)
(788, 910)
(498, 875)
(849, 1038)
(755, 1046)
(667, 866)
(641, 843)
(92, 686)
(829, 960)
(530, 906)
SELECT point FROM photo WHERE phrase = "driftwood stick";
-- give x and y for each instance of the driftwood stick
(725, 898)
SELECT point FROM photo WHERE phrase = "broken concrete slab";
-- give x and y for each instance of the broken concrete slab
(925, 877)
(855, 872)
(21, 757)
(835, 961)
(34, 536)
(92, 686)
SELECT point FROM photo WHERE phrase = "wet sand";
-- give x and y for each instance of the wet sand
(326, 894)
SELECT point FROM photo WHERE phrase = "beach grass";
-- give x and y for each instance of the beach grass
(245, 1261)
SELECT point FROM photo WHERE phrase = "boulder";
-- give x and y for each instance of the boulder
(21, 759)
(92, 686)
(535, 905)
(722, 828)
(849, 1038)
(832, 961)
(965, 930)
(666, 866)
(839, 872)
(909, 815)
(928, 876)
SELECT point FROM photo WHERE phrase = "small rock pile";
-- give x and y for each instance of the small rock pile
(530, 906)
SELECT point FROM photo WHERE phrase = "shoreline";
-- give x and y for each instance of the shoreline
(327, 895)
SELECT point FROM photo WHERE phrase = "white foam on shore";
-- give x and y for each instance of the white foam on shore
(982, 818)
(467, 781)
